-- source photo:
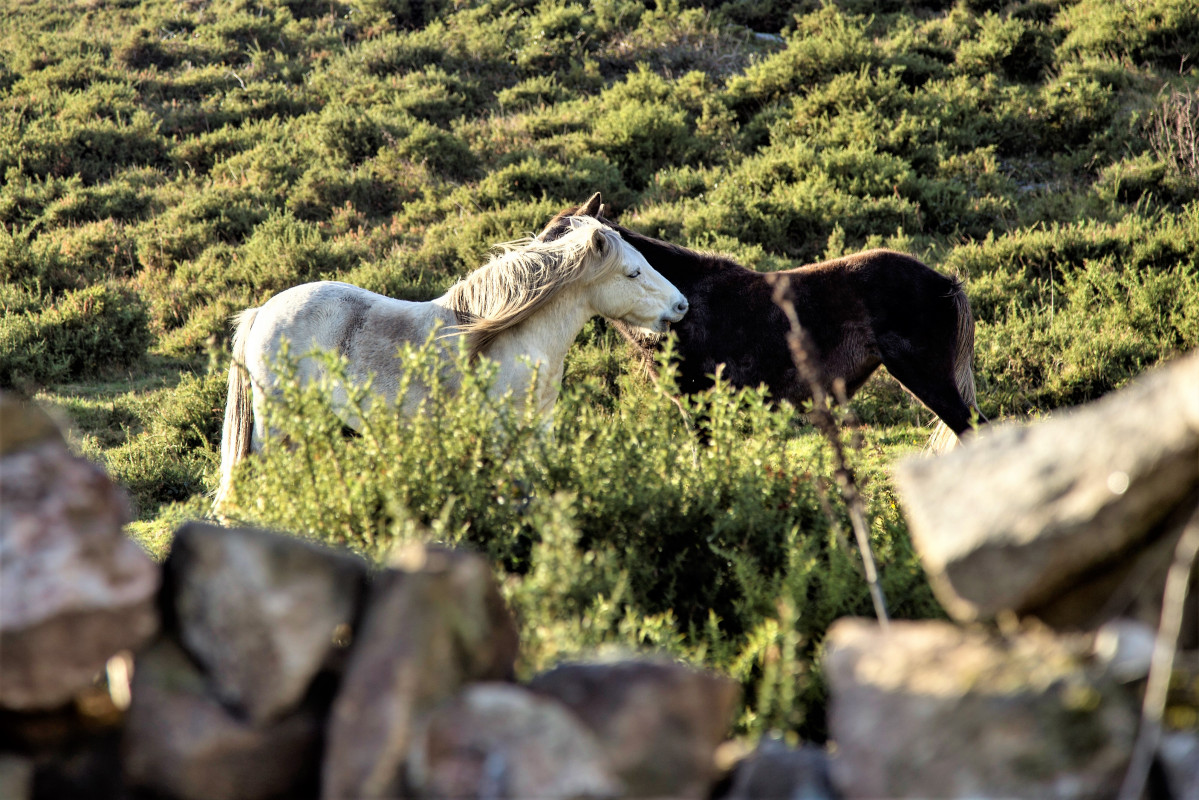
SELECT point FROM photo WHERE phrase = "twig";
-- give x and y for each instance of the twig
(1162, 665)
(800, 345)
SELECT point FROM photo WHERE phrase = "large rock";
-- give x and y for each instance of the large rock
(779, 772)
(86, 768)
(16, 777)
(181, 742)
(1178, 754)
(927, 709)
(502, 741)
(659, 722)
(73, 589)
(430, 627)
(1027, 512)
(260, 612)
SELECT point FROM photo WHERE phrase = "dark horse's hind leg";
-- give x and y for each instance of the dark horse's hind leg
(930, 377)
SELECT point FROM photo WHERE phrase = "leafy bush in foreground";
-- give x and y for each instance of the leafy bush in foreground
(637, 526)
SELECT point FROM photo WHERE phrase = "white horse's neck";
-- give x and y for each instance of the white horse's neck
(539, 344)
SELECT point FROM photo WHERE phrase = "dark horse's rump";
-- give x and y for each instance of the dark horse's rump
(860, 311)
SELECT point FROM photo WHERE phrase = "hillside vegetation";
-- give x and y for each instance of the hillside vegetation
(166, 164)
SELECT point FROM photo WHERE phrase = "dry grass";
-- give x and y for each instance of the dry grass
(1174, 132)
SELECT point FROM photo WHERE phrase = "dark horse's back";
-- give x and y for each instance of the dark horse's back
(860, 311)
(884, 307)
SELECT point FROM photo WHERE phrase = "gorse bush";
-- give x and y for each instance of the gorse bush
(687, 528)
(1039, 341)
(99, 330)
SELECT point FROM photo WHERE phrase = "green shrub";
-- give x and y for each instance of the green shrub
(1040, 343)
(673, 41)
(176, 447)
(823, 44)
(284, 252)
(535, 91)
(556, 36)
(398, 53)
(538, 177)
(1146, 179)
(1074, 108)
(1020, 50)
(125, 199)
(438, 97)
(323, 189)
(221, 213)
(141, 48)
(789, 199)
(351, 136)
(85, 333)
(201, 153)
(26, 262)
(402, 13)
(94, 150)
(444, 152)
(643, 126)
(1165, 32)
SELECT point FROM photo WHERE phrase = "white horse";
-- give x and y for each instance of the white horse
(522, 309)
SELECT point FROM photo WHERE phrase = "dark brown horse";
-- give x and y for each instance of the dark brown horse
(859, 311)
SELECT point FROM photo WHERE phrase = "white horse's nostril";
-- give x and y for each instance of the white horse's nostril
(682, 306)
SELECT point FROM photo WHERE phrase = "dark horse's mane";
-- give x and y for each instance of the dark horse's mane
(860, 311)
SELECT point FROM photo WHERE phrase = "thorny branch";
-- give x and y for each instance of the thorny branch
(1162, 664)
(800, 346)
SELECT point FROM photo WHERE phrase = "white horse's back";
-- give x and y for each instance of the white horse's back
(324, 316)
(333, 317)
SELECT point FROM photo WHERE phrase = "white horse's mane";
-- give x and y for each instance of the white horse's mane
(526, 275)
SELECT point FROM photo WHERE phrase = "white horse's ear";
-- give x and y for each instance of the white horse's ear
(593, 207)
(599, 241)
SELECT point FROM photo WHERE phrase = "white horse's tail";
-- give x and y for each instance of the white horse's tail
(943, 437)
(237, 434)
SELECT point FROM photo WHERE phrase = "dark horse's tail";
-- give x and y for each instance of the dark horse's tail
(943, 437)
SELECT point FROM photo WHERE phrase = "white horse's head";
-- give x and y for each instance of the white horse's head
(628, 289)
(603, 273)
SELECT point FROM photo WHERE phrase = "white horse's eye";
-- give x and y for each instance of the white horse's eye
(636, 274)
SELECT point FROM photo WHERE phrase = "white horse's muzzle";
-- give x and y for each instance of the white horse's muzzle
(676, 314)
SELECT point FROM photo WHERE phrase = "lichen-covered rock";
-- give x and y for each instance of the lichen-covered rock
(430, 627)
(658, 721)
(502, 741)
(181, 742)
(927, 709)
(74, 589)
(1051, 518)
(24, 425)
(260, 612)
